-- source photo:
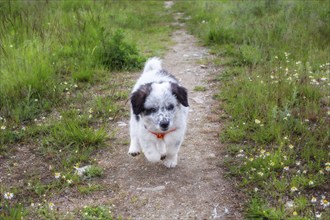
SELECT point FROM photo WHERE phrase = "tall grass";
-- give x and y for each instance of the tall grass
(275, 88)
(45, 43)
(265, 28)
(64, 67)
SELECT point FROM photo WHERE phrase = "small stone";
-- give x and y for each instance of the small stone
(198, 100)
(211, 155)
(121, 124)
(153, 189)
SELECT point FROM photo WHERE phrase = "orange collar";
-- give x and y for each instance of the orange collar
(161, 135)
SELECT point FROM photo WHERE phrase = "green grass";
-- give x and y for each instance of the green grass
(116, 54)
(50, 42)
(64, 78)
(94, 171)
(200, 88)
(96, 212)
(70, 140)
(89, 188)
(274, 88)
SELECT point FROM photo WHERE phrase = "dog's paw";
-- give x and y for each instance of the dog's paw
(170, 163)
(134, 149)
(133, 154)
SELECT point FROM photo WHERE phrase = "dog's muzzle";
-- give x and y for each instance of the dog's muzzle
(164, 125)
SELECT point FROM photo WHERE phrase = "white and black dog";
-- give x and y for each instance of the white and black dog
(159, 110)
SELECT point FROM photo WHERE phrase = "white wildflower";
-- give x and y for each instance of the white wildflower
(8, 195)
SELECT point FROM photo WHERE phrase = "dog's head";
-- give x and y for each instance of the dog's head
(157, 104)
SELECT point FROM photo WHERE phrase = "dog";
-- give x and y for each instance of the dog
(159, 111)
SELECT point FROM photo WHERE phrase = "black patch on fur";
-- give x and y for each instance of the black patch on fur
(149, 111)
(137, 117)
(180, 93)
(163, 157)
(139, 97)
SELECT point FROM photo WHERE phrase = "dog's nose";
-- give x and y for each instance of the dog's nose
(164, 124)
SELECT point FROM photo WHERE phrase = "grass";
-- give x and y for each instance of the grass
(116, 54)
(274, 88)
(96, 212)
(66, 40)
(71, 137)
(64, 78)
(200, 88)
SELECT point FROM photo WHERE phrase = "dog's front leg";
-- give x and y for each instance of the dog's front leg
(151, 152)
(162, 150)
(172, 150)
(134, 148)
(171, 160)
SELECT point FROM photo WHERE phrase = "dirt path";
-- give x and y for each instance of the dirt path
(196, 188)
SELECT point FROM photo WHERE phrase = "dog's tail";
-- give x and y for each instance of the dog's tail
(153, 63)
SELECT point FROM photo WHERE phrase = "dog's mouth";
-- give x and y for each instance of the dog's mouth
(163, 129)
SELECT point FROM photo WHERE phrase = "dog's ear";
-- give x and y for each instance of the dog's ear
(139, 97)
(180, 93)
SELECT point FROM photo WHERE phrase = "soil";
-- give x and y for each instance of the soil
(196, 188)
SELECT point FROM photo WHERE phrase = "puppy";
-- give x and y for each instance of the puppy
(159, 110)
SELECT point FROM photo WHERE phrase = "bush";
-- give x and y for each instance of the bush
(117, 54)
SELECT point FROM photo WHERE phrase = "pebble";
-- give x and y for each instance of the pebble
(198, 100)
(153, 189)
(121, 124)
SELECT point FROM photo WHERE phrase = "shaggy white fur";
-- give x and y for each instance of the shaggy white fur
(159, 110)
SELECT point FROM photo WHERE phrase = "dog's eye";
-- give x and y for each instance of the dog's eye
(170, 107)
(148, 111)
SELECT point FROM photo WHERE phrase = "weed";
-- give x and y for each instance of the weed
(261, 211)
(94, 171)
(200, 88)
(89, 188)
(96, 212)
(9, 212)
(71, 140)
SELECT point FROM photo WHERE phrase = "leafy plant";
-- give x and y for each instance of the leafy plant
(94, 171)
(117, 54)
